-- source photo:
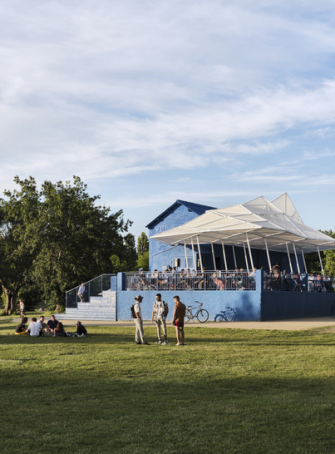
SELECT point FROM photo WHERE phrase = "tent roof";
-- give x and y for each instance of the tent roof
(277, 222)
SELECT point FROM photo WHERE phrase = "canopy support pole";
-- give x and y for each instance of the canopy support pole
(234, 257)
(246, 258)
(194, 264)
(323, 273)
(213, 254)
(186, 259)
(303, 257)
(250, 255)
(296, 257)
(289, 258)
(199, 253)
(224, 256)
(268, 254)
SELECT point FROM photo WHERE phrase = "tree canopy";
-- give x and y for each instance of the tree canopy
(58, 236)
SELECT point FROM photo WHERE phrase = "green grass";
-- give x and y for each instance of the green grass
(226, 391)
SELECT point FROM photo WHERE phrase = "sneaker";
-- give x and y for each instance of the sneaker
(166, 342)
(163, 343)
(145, 343)
(137, 342)
(178, 344)
(159, 342)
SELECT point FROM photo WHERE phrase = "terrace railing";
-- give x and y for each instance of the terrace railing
(208, 280)
(296, 282)
(94, 287)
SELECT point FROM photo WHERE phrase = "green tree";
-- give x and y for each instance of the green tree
(330, 257)
(142, 244)
(18, 239)
(52, 239)
(78, 238)
(143, 261)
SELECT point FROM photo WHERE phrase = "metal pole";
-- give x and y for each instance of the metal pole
(199, 253)
(289, 258)
(323, 273)
(224, 256)
(303, 257)
(234, 257)
(194, 264)
(213, 256)
(250, 255)
(268, 254)
(186, 259)
(246, 258)
(296, 257)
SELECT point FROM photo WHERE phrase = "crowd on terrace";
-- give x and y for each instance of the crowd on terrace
(238, 279)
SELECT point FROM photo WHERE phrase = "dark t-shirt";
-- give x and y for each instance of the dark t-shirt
(20, 327)
(52, 325)
(81, 330)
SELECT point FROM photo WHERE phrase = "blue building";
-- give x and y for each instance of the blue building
(160, 255)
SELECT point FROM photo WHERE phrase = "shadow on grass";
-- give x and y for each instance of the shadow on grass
(135, 414)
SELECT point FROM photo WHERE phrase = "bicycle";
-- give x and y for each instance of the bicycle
(201, 314)
(223, 316)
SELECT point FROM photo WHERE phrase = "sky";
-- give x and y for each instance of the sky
(208, 101)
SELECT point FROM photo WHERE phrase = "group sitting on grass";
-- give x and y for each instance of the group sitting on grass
(52, 328)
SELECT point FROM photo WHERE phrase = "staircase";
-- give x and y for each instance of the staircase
(99, 308)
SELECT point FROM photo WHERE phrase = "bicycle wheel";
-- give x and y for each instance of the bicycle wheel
(188, 316)
(202, 315)
(218, 318)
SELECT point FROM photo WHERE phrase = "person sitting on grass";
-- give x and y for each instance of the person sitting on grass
(21, 327)
(43, 324)
(59, 331)
(81, 330)
(34, 328)
(52, 324)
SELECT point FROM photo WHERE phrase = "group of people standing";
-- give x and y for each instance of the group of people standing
(159, 314)
(52, 328)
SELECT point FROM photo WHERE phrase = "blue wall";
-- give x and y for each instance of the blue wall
(247, 303)
(293, 305)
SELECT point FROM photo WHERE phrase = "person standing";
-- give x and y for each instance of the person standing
(81, 292)
(159, 313)
(139, 334)
(22, 309)
(178, 320)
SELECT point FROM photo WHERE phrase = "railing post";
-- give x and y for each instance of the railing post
(89, 292)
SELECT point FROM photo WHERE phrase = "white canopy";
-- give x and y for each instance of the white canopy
(259, 223)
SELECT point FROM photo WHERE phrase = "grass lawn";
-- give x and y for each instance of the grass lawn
(226, 391)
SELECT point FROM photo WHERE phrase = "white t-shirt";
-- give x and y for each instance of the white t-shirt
(159, 309)
(137, 309)
(34, 328)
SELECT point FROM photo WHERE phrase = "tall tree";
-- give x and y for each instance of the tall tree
(142, 244)
(78, 238)
(54, 238)
(18, 238)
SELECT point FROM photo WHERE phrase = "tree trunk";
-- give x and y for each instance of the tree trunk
(10, 302)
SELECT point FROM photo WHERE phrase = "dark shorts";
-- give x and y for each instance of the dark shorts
(179, 324)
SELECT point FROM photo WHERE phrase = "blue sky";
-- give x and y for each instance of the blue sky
(210, 101)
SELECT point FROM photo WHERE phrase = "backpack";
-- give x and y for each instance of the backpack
(166, 309)
(132, 311)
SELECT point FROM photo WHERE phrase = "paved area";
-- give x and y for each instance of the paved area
(287, 325)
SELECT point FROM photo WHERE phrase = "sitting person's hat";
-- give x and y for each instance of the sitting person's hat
(138, 297)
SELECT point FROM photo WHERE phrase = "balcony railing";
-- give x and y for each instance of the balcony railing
(295, 282)
(208, 280)
(94, 287)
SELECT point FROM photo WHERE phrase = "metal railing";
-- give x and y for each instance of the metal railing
(208, 280)
(295, 282)
(94, 287)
